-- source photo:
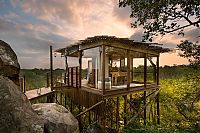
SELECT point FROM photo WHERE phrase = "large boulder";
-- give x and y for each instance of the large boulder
(9, 66)
(57, 119)
(16, 113)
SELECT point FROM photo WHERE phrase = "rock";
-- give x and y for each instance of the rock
(9, 66)
(16, 113)
(57, 119)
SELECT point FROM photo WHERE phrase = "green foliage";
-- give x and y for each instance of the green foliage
(37, 78)
(191, 51)
(179, 103)
(163, 16)
(180, 100)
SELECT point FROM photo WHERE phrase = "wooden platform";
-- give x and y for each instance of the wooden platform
(31, 94)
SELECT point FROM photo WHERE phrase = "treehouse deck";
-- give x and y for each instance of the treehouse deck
(109, 78)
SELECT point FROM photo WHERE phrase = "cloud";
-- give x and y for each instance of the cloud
(193, 34)
(31, 46)
(31, 26)
(137, 35)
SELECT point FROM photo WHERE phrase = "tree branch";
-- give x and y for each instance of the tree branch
(193, 23)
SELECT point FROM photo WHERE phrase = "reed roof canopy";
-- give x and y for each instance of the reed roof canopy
(138, 49)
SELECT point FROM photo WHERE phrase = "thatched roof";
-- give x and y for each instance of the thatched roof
(124, 43)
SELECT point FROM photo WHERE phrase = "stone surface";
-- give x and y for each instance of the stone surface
(9, 66)
(16, 113)
(57, 119)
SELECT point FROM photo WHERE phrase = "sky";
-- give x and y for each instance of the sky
(31, 26)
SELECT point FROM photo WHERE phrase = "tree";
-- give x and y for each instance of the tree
(191, 51)
(167, 16)
(163, 16)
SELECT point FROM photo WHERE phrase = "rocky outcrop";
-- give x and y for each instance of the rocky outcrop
(9, 66)
(16, 113)
(57, 119)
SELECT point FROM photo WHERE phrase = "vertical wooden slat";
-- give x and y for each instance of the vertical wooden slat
(51, 67)
(76, 77)
(132, 73)
(72, 76)
(128, 70)
(65, 100)
(145, 84)
(47, 79)
(103, 69)
(157, 99)
(65, 78)
(68, 77)
(104, 116)
(80, 67)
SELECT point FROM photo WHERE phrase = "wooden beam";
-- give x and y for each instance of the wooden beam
(65, 78)
(76, 77)
(91, 45)
(68, 77)
(47, 79)
(128, 69)
(145, 84)
(103, 69)
(142, 50)
(72, 78)
(51, 67)
(80, 67)
(90, 108)
(157, 99)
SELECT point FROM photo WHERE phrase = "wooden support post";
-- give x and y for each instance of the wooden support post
(65, 101)
(51, 67)
(24, 84)
(132, 72)
(117, 114)
(80, 68)
(157, 99)
(145, 84)
(66, 67)
(72, 73)
(68, 77)
(104, 116)
(154, 74)
(47, 79)
(65, 78)
(76, 77)
(103, 69)
(128, 70)
(125, 110)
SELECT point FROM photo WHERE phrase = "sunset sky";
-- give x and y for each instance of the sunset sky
(30, 26)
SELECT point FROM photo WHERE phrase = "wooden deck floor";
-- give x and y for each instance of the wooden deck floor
(31, 94)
